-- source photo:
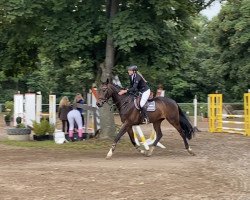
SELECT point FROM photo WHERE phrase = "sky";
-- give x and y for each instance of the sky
(212, 10)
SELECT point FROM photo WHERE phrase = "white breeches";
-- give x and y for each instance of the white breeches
(74, 116)
(144, 97)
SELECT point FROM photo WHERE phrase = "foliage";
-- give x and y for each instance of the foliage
(57, 46)
(43, 127)
(51, 129)
(21, 125)
(9, 106)
(7, 117)
(231, 35)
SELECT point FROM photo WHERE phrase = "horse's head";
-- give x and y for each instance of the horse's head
(104, 93)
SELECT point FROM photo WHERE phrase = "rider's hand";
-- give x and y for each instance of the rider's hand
(122, 92)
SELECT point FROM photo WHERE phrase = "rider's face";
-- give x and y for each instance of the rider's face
(130, 72)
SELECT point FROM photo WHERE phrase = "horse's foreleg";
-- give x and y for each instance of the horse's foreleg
(117, 138)
(132, 139)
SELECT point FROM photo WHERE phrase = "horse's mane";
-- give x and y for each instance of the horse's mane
(117, 87)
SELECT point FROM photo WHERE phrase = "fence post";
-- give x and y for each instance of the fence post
(38, 108)
(18, 107)
(247, 113)
(30, 108)
(195, 114)
(52, 109)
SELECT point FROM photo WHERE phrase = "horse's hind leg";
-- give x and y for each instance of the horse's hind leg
(177, 125)
(157, 127)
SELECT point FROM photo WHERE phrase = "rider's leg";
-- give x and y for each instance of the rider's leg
(78, 119)
(144, 98)
(71, 126)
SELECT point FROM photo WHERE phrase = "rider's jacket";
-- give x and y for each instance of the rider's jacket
(137, 83)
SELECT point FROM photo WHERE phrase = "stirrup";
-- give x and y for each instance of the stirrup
(145, 121)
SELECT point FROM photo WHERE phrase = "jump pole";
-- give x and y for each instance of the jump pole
(216, 117)
(145, 142)
(137, 131)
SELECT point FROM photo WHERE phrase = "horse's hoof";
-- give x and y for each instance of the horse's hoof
(108, 157)
(143, 152)
(150, 151)
(190, 152)
(148, 155)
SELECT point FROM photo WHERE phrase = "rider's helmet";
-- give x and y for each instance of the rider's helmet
(132, 68)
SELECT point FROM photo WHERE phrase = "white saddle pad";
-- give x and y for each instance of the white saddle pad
(151, 106)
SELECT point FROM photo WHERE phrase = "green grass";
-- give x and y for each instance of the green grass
(92, 144)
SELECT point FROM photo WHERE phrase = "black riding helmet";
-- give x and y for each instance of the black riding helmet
(132, 68)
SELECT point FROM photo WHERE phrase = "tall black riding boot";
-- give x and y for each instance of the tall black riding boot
(144, 115)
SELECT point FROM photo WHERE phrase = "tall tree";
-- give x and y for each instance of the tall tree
(232, 36)
(107, 117)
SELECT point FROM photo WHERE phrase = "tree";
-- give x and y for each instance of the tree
(60, 38)
(231, 35)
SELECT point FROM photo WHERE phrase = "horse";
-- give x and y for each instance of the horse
(166, 108)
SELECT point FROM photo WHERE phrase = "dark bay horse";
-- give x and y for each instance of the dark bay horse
(166, 108)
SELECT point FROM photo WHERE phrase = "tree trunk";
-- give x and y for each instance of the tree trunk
(107, 118)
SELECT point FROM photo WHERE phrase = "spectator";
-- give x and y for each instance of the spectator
(64, 108)
(160, 92)
(79, 100)
(75, 116)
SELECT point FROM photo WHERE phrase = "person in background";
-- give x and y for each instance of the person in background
(64, 108)
(79, 100)
(160, 92)
(75, 116)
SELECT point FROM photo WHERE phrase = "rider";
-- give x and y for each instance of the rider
(137, 82)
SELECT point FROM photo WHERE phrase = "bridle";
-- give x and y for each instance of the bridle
(105, 99)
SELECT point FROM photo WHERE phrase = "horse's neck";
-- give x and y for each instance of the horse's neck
(120, 101)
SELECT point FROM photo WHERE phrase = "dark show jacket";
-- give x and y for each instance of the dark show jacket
(137, 83)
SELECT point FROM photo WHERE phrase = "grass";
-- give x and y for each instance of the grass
(92, 144)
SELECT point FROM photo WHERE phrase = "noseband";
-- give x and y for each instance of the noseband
(105, 90)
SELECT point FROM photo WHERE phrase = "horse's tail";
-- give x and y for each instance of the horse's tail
(185, 125)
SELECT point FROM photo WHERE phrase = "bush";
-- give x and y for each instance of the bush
(7, 117)
(20, 125)
(43, 128)
(51, 129)
(9, 106)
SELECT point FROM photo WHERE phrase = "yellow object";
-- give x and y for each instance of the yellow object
(247, 113)
(215, 116)
(215, 113)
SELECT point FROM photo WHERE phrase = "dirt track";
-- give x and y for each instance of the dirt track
(220, 170)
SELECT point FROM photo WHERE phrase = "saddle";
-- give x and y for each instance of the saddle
(150, 104)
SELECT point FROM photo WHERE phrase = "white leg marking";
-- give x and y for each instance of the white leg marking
(110, 153)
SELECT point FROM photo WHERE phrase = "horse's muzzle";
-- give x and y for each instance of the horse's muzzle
(100, 103)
